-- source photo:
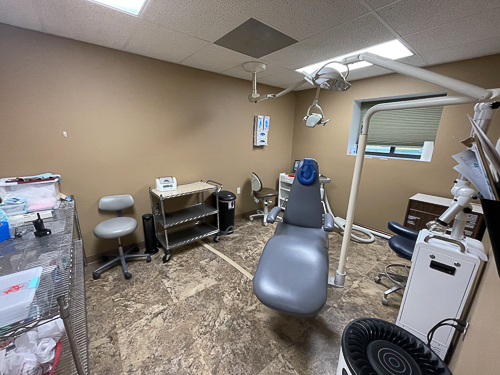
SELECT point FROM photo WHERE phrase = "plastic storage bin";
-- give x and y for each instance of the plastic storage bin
(16, 295)
(40, 195)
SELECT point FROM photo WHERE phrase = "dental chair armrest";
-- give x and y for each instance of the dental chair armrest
(328, 225)
(271, 216)
(403, 231)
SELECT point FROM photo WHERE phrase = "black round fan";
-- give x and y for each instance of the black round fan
(376, 347)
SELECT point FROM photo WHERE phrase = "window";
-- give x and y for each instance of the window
(402, 133)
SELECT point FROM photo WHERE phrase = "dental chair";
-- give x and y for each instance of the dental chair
(261, 194)
(292, 275)
(402, 244)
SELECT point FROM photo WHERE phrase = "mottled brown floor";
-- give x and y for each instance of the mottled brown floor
(198, 315)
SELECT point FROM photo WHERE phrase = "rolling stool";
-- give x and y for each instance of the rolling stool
(402, 244)
(261, 194)
(116, 228)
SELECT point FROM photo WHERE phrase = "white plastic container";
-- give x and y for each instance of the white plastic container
(40, 195)
(16, 295)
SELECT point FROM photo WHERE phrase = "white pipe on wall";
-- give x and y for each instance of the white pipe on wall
(360, 155)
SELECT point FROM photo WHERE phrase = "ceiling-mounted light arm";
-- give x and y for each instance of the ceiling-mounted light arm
(453, 84)
(255, 67)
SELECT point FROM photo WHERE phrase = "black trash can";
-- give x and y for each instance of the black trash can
(149, 234)
(227, 202)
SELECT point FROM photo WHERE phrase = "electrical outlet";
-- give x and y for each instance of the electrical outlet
(238, 190)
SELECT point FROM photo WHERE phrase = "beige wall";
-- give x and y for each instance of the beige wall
(386, 185)
(478, 352)
(129, 120)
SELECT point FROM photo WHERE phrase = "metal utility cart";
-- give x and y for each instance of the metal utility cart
(62, 286)
(190, 224)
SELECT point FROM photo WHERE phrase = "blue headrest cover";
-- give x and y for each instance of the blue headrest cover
(307, 173)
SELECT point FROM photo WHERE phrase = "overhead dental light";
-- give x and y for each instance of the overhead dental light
(329, 78)
(313, 119)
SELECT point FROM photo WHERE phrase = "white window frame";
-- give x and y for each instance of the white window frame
(355, 123)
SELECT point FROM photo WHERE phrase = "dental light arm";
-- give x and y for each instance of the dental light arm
(472, 94)
(478, 93)
(254, 97)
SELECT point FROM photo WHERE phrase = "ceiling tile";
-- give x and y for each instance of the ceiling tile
(283, 78)
(22, 13)
(303, 19)
(238, 72)
(466, 51)
(376, 4)
(256, 39)
(409, 16)
(87, 21)
(360, 33)
(477, 27)
(215, 58)
(160, 43)
(205, 20)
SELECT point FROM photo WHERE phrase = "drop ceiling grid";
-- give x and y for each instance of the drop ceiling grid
(183, 31)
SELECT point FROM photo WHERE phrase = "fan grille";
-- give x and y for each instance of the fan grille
(361, 332)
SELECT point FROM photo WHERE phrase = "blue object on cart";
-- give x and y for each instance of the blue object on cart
(4, 227)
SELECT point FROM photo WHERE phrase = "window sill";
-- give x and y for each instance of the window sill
(388, 157)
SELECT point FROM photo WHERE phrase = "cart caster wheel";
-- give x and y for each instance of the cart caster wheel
(266, 223)
(96, 275)
(384, 301)
(216, 239)
(148, 259)
(105, 258)
(166, 258)
(251, 218)
(377, 279)
(128, 275)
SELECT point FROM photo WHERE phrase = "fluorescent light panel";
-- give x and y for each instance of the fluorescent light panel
(128, 6)
(393, 50)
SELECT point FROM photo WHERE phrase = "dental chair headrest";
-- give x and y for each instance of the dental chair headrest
(307, 173)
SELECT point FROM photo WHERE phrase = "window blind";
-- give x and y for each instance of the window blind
(402, 127)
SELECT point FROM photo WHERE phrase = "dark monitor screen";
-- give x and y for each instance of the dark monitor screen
(296, 165)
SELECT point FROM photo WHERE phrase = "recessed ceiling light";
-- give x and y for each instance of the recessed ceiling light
(128, 6)
(391, 50)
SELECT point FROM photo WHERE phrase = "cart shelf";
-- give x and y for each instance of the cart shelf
(197, 211)
(188, 235)
(186, 189)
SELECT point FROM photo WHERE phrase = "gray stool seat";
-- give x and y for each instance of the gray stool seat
(266, 193)
(116, 227)
(292, 275)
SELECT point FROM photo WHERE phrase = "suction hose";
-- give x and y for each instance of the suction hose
(340, 223)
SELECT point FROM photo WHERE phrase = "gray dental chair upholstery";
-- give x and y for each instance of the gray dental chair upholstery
(292, 275)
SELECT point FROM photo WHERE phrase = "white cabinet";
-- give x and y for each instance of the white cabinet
(285, 184)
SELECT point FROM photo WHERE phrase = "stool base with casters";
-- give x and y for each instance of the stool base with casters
(398, 280)
(121, 257)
